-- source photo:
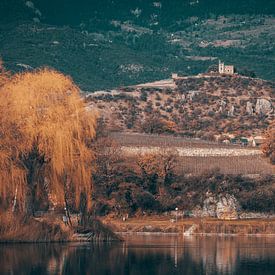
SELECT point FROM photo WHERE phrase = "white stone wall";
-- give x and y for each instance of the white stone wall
(192, 152)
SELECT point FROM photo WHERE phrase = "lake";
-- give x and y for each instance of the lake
(144, 254)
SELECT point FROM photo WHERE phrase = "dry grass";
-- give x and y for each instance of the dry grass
(241, 164)
(50, 228)
(137, 139)
(234, 165)
(227, 165)
(18, 229)
(230, 165)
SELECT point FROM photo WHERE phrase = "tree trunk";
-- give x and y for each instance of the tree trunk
(34, 163)
(15, 199)
(29, 202)
(67, 211)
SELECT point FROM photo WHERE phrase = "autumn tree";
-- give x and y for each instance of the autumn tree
(157, 168)
(155, 124)
(107, 159)
(269, 144)
(45, 140)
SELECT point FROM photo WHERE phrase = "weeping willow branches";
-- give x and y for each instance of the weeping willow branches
(45, 133)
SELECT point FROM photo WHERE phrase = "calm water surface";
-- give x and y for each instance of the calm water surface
(144, 254)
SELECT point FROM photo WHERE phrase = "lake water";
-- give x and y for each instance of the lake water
(144, 254)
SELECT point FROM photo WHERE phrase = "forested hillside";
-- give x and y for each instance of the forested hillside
(105, 44)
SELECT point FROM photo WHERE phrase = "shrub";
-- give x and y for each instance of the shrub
(143, 96)
(146, 201)
(153, 124)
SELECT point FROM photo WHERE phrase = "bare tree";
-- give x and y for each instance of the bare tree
(269, 144)
(160, 166)
(107, 159)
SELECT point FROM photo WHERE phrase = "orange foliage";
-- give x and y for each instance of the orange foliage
(161, 163)
(169, 126)
(45, 134)
(154, 124)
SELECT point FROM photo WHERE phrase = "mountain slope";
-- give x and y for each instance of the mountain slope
(197, 106)
(105, 44)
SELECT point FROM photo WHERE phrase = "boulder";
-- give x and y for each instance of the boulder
(222, 206)
(192, 94)
(249, 108)
(191, 230)
(209, 205)
(227, 207)
(231, 111)
(196, 212)
(222, 104)
(263, 106)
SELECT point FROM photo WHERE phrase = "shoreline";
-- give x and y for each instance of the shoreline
(191, 226)
(121, 234)
(155, 226)
(193, 235)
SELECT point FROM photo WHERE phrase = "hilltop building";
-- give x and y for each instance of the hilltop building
(174, 76)
(225, 69)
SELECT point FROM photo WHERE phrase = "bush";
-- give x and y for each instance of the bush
(146, 201)
(155, 125)
(247, 72)
(143, 96)
(18, 228)
(101, 208)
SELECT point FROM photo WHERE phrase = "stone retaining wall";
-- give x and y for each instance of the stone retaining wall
(192, 152)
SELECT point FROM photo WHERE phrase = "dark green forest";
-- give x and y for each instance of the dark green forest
(106, 44)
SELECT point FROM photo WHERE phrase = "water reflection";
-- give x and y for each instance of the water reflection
(144, 254)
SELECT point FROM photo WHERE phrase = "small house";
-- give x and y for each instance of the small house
(257, 141)
(174, 76)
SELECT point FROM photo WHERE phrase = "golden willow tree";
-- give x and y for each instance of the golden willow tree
(45, 137)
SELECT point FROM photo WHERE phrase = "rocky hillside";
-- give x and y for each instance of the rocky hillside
(196, 106)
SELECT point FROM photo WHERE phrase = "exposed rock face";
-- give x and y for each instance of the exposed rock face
(263, 106)
(192, 94)
(231, 111)
(209, 206)
(197, 212)
(249, 108)
(222, 104)
(227, 207)
(223, 206)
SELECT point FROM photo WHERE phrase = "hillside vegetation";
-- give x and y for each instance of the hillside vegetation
(195, 106)
(112, 43)
(155, 182)
(195, 156)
